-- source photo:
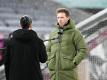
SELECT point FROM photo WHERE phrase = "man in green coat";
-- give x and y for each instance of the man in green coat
(66, 48)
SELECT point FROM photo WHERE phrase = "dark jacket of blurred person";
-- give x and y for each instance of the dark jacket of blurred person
(24, 52)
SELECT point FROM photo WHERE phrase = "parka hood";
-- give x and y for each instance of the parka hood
(24, 35)
(70, 25)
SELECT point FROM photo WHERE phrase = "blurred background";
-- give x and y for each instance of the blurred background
(90, 17)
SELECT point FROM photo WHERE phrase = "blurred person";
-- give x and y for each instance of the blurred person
(66, 48)
(1, 49)
(24, 52)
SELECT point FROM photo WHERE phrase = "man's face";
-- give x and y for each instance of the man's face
(62, 19)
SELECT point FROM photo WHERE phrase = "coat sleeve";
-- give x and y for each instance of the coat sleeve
(48, 49)
(80, 46)
(42, 52)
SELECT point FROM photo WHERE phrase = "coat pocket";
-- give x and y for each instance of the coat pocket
(51, 62)
(67, 63)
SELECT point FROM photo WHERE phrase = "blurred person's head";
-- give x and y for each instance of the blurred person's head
(63, 15)
(26, 22)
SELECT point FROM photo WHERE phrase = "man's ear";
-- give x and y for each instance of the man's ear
(30, 27)
(68, 18)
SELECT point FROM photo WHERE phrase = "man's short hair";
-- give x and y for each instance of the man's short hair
(25, 21)
(63, 10)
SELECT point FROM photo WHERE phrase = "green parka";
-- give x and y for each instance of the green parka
(65, 52)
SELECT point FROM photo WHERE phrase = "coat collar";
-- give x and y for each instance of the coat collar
(70, 25)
